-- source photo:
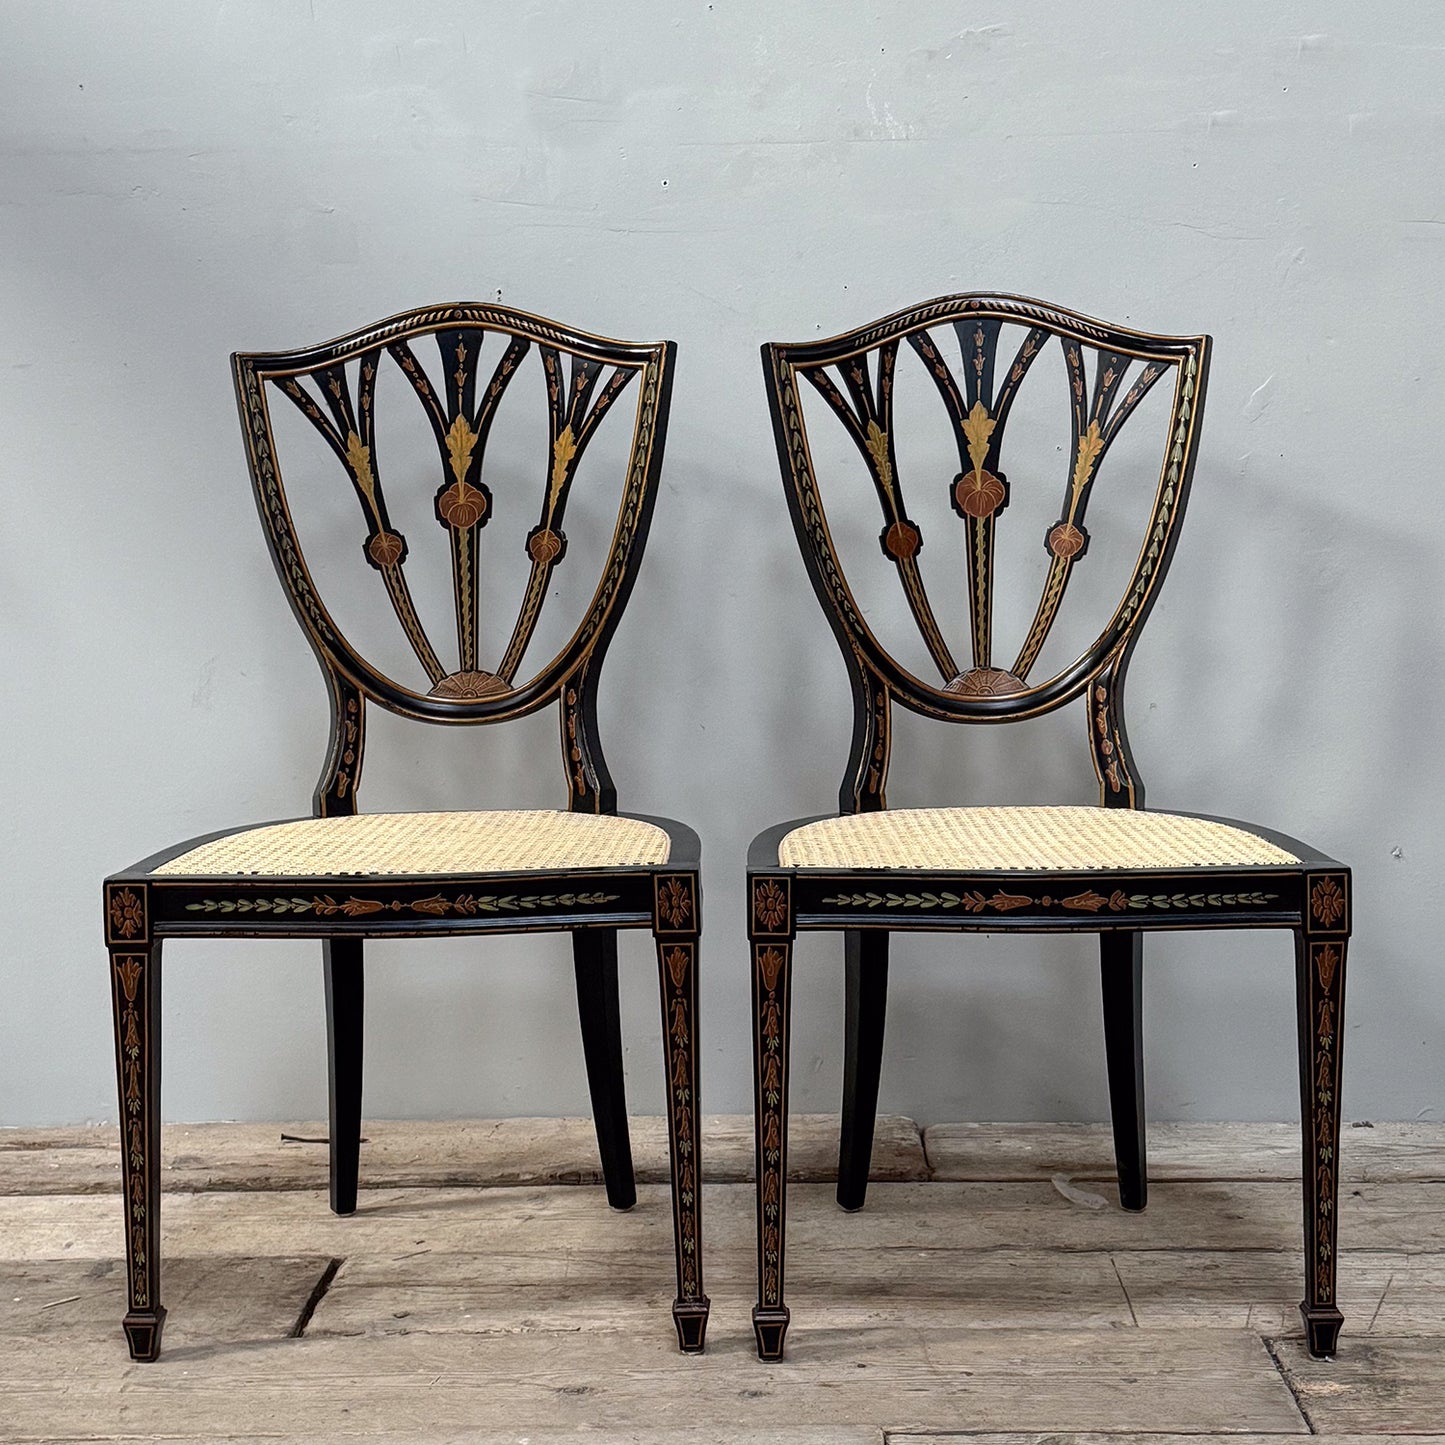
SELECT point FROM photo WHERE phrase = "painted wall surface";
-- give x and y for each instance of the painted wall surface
(182, 179)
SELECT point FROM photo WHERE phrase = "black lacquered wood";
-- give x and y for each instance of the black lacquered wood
(865, 973)
(575, 408)
(1098, 413)
(1121, 969)
(345, 1043)
(1107, 371)
(594, 952)
(135, 973)
(1321, 945)
(770, 936)
(588, 382)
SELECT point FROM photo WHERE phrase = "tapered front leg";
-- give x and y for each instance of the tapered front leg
(594, 955)
(771, 938)
(1320, 949)
(676, 924)
(345, 1033)
(866, 983)
(1121, 958)
(135, 977)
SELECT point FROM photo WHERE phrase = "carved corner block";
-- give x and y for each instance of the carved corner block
(127, 915)
(1327, 904)
(675, 903)
(770, 907)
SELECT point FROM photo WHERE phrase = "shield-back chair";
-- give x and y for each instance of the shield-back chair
(1115, 870)
(342, 876)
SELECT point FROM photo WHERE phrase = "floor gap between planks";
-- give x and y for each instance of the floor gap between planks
(478, 1295)
(1289, 1385)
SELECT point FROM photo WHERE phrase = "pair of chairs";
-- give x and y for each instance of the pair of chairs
(343, 877)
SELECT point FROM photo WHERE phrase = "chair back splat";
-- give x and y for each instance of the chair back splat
(479, 351)
(1106, 373)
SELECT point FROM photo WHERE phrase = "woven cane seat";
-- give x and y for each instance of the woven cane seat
(1024, 839)
(412, 843)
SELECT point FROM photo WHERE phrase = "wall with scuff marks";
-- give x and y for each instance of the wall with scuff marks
(182, 179)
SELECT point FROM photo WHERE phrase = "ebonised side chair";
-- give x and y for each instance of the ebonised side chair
(1116, 870)
(341, 876)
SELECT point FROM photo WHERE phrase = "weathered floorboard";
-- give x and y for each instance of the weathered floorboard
(1373, 1153)
(718, 1434)
(1389, 1383)
(430, 1154)
(1123, 1437)
(506, 1152)
(1380, 1293)
(857, 1285)
(1397, 1218)
(855, 1288)
(943, 1311)
(917, 1379)
(212, 1300)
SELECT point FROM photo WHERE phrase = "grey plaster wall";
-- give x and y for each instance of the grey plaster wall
(181, 179)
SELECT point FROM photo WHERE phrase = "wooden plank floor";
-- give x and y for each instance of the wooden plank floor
(991, 1289)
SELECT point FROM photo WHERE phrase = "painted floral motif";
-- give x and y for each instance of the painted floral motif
(770, 906)
(1325, 959)
(1026, 355)
(978, 493)
(1327, 903)
(674, 902)
(1090, 445)
(1076, 369)
(902, 540)
(127, 913)
(385, 549)
(978, 429)
(677, 962)
(876, 440)
(770, 963)
(1087, 902)
(350, 732)
(464, 904)
(563, 450)
(1091, 902)
(462, 505)
(1108, 760)
(128, 975)
(544, 546)
(1166, 511)
(358, 458)
(571, 746)
(1065, 541)
(460, 440)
